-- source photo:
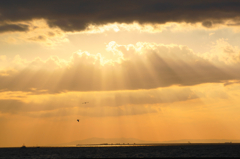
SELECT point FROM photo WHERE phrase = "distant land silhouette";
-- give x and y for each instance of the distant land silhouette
(137, 141)
(202, 141)
(105, 140)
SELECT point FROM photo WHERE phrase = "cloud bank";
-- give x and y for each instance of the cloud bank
(140, 66)
(72, 15)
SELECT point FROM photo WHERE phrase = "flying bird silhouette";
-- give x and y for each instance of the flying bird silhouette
(78, 120)
(85, 102)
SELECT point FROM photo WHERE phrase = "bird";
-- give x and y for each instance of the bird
(85, 102)
(78, 120)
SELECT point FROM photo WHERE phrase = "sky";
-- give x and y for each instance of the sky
(150, 70)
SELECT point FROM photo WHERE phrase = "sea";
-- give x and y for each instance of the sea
(124, 151)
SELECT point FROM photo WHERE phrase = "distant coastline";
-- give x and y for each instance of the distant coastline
(133, 141)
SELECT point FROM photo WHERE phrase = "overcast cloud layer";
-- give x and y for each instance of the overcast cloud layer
(72, 15)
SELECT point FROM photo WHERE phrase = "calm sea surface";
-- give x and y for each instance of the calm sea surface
(124, 151)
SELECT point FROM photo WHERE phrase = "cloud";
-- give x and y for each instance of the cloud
(36, 31)
(227, 83)
(116, 27)
(11, 106)
(41, 33)
(38, 38)
(207, 24)
(115, 103)
(13, 28)
(7, 72)
(223, 52)
(76, 16)
(140, 66)
(109, 103)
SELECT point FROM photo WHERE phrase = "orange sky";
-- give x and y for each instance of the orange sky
(158, 81)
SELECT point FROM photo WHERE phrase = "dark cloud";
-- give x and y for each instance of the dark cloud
(207, 24)
(13, 28)
(38, 38)
(72, 15)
